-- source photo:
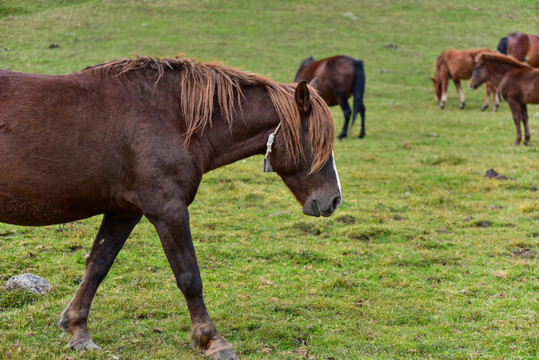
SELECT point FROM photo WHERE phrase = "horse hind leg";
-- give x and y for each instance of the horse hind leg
(359, 107)
(110, 238)
(516, 110)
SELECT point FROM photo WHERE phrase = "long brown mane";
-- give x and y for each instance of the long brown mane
(481, 58)
(203, 82)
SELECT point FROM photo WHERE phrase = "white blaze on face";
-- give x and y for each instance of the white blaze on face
(336, 173)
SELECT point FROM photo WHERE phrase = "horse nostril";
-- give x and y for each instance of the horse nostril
(335, 203)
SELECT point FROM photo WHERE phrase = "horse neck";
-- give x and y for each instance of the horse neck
(248, 134)
(497, 71)
(300, 74)
(441, 70)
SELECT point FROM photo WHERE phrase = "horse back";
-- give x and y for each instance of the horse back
(460, 63)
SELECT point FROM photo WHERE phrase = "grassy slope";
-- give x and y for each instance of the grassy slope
(396, 273)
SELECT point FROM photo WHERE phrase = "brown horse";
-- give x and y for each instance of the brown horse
(458, 65)
(133, 138)
(518, 83)
(523, 47)
(339, 77)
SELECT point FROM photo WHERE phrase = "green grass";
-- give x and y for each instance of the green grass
(426, 258)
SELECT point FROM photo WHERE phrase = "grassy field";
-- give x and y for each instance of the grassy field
(426, 258)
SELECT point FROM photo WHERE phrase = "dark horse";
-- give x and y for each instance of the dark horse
(517, 82)
(339, 77)
(523, 47)
(133, 138)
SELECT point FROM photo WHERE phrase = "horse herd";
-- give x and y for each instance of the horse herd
(510, 73)
(132, 138)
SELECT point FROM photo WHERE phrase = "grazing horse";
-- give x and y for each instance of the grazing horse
(523, 47)
(339, 77)
(517, 82)
(458, 65)
(132, 138)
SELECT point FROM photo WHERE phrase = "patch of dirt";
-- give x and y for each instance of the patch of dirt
(524, 253)
(482, 223)
(493, 174)
(347, 219)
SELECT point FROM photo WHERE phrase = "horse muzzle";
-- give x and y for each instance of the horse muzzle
(314, 207)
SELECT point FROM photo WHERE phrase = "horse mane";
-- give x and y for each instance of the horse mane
(482, 57)
(202, 83)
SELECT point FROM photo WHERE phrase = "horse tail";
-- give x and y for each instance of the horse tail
(358, 89)
(502, 46)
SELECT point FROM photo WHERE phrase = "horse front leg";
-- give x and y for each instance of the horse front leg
(110, 238)
(491, 89)
(516, 110)
(443, 98)
(461, 94)
(172, 225)
(346, 112)
(524, 115)
(487, 97)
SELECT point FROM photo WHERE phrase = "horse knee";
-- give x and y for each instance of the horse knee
(190, 284)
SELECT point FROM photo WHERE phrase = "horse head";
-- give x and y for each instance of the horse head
(437, 85)
(480, 74)
(311, 176)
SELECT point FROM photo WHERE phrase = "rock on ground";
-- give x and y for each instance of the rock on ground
(29, 282)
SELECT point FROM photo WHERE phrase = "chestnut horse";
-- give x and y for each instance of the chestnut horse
(339, 77)
(523, 47)
(458, 65)
(517, 82)
(133, 138)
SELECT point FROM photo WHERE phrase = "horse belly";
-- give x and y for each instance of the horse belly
(34, 191)
(18, 209)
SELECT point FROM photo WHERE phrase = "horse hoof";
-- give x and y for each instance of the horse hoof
(83, 346)
(220, 354)
(484, 107)
(340, 137)
(361, 136)
(461, 107)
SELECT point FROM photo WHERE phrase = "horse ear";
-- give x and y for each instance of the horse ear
(302, 96)
(314, 83)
